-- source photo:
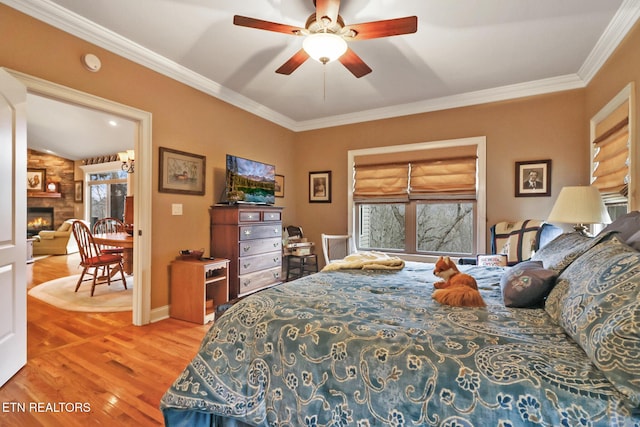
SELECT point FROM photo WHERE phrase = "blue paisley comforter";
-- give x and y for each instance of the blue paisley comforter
(365, 348)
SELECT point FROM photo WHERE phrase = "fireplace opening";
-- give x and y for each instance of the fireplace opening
(39, 219)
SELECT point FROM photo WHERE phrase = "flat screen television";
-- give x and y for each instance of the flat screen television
(249, 181)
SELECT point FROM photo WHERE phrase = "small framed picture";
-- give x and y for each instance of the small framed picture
(78, 189)
(533, 178)
(320, 187)
(36, 179)
(181, 172)
(279, 191)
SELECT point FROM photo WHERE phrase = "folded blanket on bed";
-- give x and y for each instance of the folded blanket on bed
(366, 261)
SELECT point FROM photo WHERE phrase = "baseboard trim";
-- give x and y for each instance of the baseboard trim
(158, 314)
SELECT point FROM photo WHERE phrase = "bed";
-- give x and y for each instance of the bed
(367, 347)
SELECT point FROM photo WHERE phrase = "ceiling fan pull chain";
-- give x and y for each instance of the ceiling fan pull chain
(324, 82)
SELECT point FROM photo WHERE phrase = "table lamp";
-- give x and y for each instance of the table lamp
(579, 205)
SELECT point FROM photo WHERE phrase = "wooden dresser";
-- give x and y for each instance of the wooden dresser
(250, 237)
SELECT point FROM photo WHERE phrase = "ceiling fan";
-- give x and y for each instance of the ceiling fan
(326, 28)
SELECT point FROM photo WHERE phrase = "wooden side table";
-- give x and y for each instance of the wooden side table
(197, 288)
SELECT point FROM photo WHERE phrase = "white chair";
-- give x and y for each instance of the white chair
(336, 246)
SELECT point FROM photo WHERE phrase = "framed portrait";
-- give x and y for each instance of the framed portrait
(78, 189)
(279, 186)
(533, 178)
(36, 179)
(320, 187)
(181, 172)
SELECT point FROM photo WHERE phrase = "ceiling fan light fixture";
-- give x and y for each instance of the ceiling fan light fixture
(324, 47)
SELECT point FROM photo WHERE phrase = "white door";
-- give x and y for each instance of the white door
(13, 227)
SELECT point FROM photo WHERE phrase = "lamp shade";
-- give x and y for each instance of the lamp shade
(579, 205)
(324, 47)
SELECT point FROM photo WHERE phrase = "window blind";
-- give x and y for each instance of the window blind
(443, 177)
(425, 174)
(382, 181)
(611, 156)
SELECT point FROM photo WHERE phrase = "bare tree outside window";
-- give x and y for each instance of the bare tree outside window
(440, 227)
(445, 227)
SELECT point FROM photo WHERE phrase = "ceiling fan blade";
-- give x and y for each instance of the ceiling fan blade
(327, 8)
(293, 63)
(386, 28)
(244, 21)
(354, 63)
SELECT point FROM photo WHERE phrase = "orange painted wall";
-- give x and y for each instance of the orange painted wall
(537, 128)
(553, 126)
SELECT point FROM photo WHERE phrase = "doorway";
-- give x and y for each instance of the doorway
(141, 181)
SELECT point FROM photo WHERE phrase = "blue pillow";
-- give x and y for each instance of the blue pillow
(565, 248)
(597, 302)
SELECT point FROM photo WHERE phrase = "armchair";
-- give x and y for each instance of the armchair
(56, 242)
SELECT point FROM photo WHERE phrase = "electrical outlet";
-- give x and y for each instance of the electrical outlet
(176, 209)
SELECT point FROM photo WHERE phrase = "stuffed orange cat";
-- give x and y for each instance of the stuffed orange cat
(457, 289)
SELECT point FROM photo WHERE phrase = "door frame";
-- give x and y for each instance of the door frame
(142, 180)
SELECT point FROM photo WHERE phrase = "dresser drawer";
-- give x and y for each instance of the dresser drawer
(249, 232)
(259, 280)
(253, 247)
(249, 216)
(249, 264)
(272, 216)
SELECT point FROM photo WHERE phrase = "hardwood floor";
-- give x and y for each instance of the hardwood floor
(93, 368)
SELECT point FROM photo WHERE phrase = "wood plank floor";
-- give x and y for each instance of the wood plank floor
(93, 368)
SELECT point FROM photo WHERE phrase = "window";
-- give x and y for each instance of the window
(421, 199)
(445, 227)
(441, 227)
(107, 189)
(612, 153)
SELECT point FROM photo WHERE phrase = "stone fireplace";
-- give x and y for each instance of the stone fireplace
(38, 219)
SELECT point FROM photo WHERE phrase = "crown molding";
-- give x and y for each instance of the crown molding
(63, 19)
(503, 93)
(622, 22)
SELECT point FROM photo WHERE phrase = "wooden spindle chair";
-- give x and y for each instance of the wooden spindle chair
(93, 260)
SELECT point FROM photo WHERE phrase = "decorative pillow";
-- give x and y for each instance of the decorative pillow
(516, 239)
(561, 251)
(597, 302)
(626, 228)
(65, 226)
(526, 284)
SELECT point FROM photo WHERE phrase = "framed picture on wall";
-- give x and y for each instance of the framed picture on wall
(279, 192)
(181, 172)
(533, 178)
(36, 179)
(78, 187)
(320, 187)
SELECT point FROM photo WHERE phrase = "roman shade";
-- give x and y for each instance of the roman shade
(381, 181)
(424, 174)
(611, 158)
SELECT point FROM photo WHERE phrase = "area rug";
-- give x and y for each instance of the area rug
(60, 293)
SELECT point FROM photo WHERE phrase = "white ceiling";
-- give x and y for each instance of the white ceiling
(74, 132)
(464, 52)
